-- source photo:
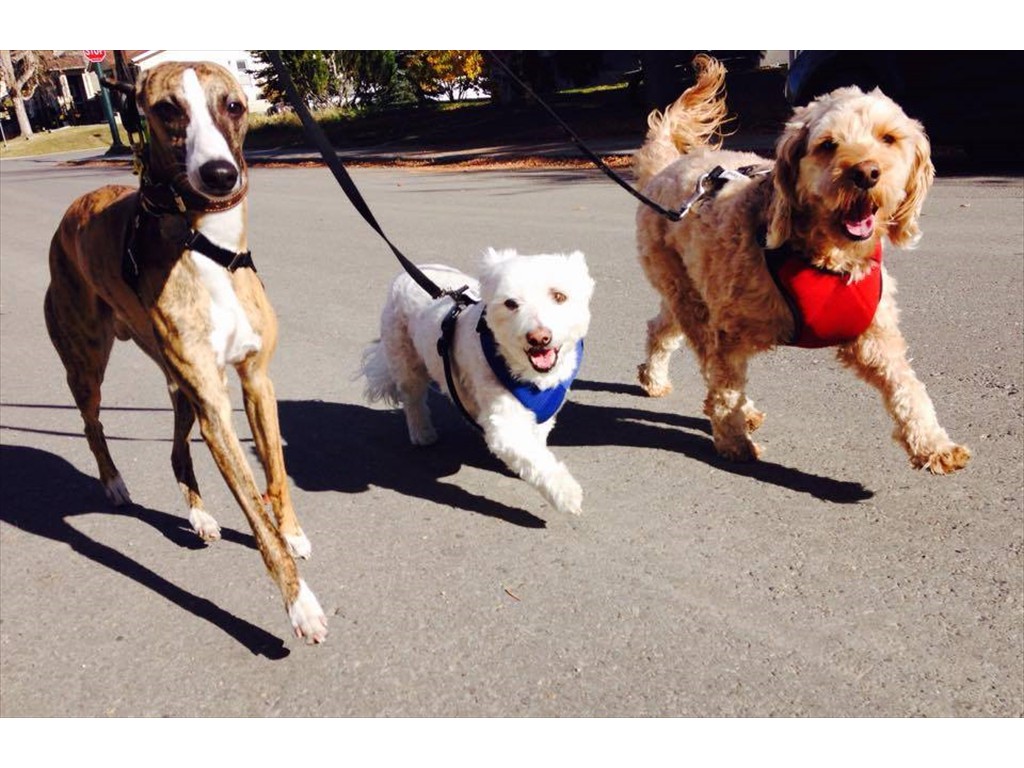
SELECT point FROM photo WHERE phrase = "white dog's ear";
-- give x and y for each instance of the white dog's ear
(492, 257)
(791, 147)
(903, 229)
(578, 261)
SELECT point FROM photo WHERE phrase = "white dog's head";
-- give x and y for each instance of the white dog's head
(538, 307)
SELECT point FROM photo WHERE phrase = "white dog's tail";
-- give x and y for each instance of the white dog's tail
(379, 383)
(694, 120)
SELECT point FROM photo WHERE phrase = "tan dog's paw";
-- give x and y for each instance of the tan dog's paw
(944, 460)
(754, 418)
(743, 449)
(649, 385)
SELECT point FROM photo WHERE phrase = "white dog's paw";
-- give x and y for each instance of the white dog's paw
(307, 616)
(204, 525)
(299, 545)
(566, 493)
(117, 491)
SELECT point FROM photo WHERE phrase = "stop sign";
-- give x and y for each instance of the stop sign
(95, 56)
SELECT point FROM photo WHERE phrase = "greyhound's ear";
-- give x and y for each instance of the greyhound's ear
(140, 88)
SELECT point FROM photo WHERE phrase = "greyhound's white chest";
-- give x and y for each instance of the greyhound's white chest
(232, 336)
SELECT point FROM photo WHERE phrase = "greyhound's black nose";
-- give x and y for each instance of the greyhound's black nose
(219, 176)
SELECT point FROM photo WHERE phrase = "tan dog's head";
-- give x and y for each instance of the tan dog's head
(197, 116)
(851, 166)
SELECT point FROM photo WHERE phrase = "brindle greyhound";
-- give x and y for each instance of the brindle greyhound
(167, 266)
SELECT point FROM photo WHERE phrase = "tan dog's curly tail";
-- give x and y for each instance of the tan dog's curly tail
(694, 120)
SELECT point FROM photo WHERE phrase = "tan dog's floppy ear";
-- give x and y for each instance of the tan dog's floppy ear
(791, 147)
(903, 230)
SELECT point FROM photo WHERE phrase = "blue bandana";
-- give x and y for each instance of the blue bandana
(543, 402)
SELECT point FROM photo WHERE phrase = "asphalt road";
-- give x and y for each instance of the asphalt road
(829, 579)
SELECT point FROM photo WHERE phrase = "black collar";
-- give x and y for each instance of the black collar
(230, 260)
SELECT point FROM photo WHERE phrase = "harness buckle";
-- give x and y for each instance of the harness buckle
(712, 181)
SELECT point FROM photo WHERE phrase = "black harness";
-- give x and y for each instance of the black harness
(148, 212)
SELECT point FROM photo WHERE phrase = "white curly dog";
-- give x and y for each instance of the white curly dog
(513, 354)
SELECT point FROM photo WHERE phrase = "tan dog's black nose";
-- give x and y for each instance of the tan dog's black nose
(219, 176)
(866, 174)
(539, 337)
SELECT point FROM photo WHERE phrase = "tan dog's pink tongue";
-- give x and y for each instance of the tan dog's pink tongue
(862, 228)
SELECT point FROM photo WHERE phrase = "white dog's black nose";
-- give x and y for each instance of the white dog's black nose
(866, 174)
(219, 176)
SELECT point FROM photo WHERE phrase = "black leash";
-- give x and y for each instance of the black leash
(314, 132)
(460, 299)
(666, 212)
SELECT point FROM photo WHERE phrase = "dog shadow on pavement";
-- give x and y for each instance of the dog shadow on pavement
(581, 424)
(348, 448)
(43, 493)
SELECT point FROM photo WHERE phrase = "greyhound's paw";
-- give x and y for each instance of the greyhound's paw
(117, 491)
(299, 545)
(307, 616)
(203, 524)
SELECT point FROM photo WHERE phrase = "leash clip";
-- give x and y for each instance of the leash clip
(709, 183)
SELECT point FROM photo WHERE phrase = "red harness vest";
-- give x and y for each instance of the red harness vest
(827, 308)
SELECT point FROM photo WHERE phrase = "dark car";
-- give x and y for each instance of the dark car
(968, 99)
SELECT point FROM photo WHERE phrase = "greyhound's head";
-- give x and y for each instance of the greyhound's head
(197, 115)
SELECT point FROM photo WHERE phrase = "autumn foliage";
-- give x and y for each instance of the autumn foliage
(446, 74)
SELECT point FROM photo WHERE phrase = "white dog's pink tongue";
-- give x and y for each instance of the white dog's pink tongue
(543, 359)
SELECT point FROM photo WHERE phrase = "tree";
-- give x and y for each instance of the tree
(372, 78)
(314, 73)
(451, 74)
(23, 72)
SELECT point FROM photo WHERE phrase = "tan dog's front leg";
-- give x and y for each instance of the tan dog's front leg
(732, 415)
(879, 356)
(664, 336)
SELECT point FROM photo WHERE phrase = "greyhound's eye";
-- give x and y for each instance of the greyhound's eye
(235, 108)
(167, 111)
(559, 297)
(511, 304)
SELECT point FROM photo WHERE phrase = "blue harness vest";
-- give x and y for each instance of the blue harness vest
(544, 403)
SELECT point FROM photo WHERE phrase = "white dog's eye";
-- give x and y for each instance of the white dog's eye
(511, 304)
(828, 145)
(889, 139)
(559, 297)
